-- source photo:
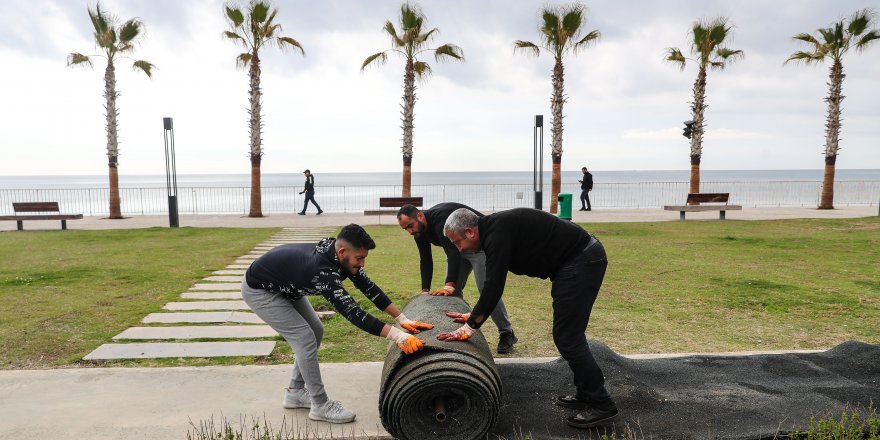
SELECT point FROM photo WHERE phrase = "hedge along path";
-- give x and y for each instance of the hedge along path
(211, 309)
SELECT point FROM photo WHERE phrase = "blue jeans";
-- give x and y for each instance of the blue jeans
(585, 199)
(310, 195)
(575, 287)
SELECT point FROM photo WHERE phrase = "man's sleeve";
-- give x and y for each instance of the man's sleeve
(497, 263)
(329, 284)
(426, 261)
(453, 260)
(370, 289)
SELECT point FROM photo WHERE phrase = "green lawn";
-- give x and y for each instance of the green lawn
(671, 287)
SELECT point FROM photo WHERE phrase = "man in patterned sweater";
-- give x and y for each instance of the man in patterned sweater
(275, 288)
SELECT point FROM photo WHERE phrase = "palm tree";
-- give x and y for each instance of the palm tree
(560, 34)
(832, 43)
(113, 42)
(707, 47)
(410, 43)
(253, 31)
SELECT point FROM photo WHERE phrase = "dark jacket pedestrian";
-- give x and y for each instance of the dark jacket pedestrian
(586, 187)
(309, 190)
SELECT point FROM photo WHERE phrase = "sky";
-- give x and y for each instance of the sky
(624, 111)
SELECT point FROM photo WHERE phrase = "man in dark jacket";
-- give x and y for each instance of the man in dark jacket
(426, 227)
(275, 288)
(309, 190)
(531, 242)
(586, 187)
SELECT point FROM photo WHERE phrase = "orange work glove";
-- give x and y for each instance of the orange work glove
(412, 326)
(462, 333)
(407, 343)
(444, 291)
(460, 318)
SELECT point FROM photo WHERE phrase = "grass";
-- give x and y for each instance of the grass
(694, 286)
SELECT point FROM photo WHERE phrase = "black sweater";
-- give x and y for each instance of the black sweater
(297, 270)
(524, 241)
(433, 234)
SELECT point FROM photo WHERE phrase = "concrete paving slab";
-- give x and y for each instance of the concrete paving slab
(213, 317)
(229, 294)
(198, 331)
(153, 350)
(230, 272)
(216, 286)
(245, 263)
(159, 403)
(206, 305)
(224, 278)
(238, 266)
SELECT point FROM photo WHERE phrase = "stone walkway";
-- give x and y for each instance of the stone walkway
(216, 304)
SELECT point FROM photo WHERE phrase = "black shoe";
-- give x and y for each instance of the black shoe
(572, 402)
(582, 209)
(301, 213)
(588, 209)
(319, 212)
(592, 417)
(505, 342)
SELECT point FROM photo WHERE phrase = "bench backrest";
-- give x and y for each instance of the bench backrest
(397, 202)
(697, 198)
(35, 207)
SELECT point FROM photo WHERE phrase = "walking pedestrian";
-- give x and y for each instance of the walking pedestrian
(309, 191)
(586, 187)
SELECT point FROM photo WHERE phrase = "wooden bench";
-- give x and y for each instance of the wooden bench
(393, 202)
(694, 200)
(47, 210)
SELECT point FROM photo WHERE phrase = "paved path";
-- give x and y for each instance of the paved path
(216, 303)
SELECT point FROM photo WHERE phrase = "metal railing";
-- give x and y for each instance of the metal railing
(490, 197)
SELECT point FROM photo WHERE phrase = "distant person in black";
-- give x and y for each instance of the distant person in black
(426, 227)
(309, 190)
(275, 287)
(586, 187)
(538, 244)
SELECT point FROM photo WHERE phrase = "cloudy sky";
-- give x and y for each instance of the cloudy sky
(625, 105)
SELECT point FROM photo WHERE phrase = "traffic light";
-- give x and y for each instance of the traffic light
(688, 129)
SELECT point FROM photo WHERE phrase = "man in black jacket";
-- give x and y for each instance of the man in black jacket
(275, 287)
(586, 187)
(309, 190)
(531, 242)
(426, 227)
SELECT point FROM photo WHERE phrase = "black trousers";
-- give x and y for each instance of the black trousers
(585, 198)
(575, 287)
(310, 195)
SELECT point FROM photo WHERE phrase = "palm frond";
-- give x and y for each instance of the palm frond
(144, 66)
(447, 51)
(717, 65)
(807, 38)
(422, 69)
(234, 37)
(805, 57)
(528, 46)
(287, 42)
(410, 17)
(100, 19)
(243, 60)
(590, 38)
(718, 30)
(827, 35)
(259, 11)
(427, 35)
(729, 55)
(379, 58)
(130, 30)
(867, 39)
(392, 32)
(572, 20)
(674, 55)
(235, 16)
(860, 21)
(550, 28)
(78, 59)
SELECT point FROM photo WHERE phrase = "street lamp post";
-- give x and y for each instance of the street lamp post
(538, 161)
(171, 174)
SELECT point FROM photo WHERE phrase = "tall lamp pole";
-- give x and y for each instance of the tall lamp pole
(538, 161)
(171, 174)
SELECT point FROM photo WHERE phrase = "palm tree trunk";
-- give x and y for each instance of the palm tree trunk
(256, 127)
(699, 106)
(556, 104)
(832, 134)
(408, 109)
(111, 114)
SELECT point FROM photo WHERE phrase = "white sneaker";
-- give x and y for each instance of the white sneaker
(332, 412)
(296, 398)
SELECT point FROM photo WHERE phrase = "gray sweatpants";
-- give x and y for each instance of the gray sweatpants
(476, 262)
(299, 325)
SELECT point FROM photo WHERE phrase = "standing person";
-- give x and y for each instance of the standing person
(538, 244)
(309, 190)
(426, 227)
(586, 187)
(275, 288)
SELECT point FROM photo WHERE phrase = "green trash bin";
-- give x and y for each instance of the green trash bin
(564, 206)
